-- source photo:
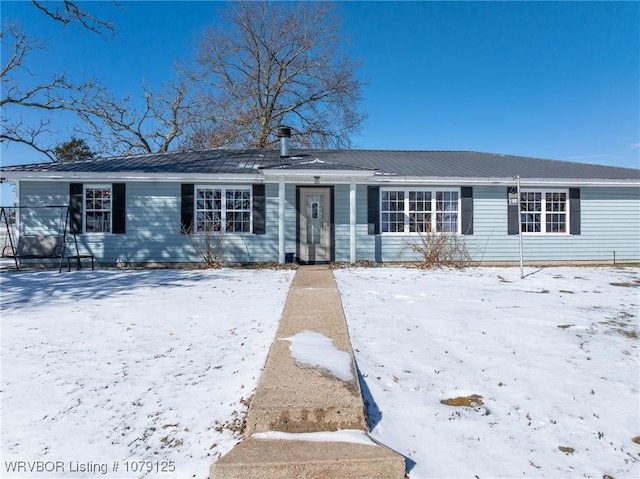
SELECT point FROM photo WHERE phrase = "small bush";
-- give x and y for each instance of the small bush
(437, 250)
(210, 245)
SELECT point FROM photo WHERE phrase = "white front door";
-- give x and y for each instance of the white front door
(315, 225)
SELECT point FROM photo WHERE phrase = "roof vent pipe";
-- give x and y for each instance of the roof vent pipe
(284, 133)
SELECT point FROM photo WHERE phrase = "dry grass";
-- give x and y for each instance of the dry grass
(622, 324)
(635, 284)
(567, 449)
(467, 401)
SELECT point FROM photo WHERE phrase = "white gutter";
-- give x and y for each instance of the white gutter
(436, 180)
(308, 175)
(292, 174)
(129, 176)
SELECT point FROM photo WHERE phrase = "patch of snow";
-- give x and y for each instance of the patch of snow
(554, 357)
(113, 366)
(315, 161)
(353, 436)
(310, 348)
(109, 365)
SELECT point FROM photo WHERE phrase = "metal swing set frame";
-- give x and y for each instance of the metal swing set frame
(41, 247)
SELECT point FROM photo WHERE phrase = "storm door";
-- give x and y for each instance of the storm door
(314, 233)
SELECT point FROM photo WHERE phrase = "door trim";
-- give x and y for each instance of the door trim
(332, 225)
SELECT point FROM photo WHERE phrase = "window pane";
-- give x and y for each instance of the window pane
(393, 222)
(530, 203)
(556, 202)
(210, 209)
(420, 222)
(556, 223)
(446, 201)
(419, 211)
(531, 223)
(208, 213)
(97, 209)
(392, 211)
(447, 222)
(547, 217)
(447, 208)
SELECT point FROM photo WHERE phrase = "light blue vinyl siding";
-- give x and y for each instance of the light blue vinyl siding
(610, 222)
(342, 223)
(43, 222)
(153, 225)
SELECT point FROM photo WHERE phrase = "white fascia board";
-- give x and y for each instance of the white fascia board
(318, 176)
(278, 173)
(305, 176)
(436, 180)
(131, 177)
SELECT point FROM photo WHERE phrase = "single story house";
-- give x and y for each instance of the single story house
(321, 205)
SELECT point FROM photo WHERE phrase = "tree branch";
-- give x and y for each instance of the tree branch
(70, 12)
(274, 63)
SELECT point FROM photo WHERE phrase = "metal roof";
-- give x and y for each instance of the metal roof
(430, 164)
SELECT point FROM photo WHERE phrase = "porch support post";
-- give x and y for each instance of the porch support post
(281, 191)
(352, 221)
(18, 203)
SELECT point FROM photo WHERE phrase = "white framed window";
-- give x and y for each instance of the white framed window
(223, 209)
(417, 210)
(544, 211)
(97, 204)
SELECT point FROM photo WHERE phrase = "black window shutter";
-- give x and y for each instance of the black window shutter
(76, 193)
(512, 213)
(574, 211)
(466, 194)
(373, 209)
(186, 207)
(119, 208)
(259, 210)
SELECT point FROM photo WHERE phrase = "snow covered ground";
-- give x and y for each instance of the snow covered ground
(130, 373)
(554, 357)
(146, 373)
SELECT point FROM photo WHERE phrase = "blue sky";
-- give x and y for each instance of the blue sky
(556, 80)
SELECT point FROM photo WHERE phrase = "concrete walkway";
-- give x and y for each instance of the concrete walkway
(301, 398)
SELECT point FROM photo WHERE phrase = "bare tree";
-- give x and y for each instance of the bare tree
(265, 64)
(47, 96)
(123, 126)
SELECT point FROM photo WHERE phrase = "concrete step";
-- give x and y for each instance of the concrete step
(290, 459)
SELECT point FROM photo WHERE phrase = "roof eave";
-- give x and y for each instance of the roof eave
(306, 176)
(129, 176)
(317, 175)
(457, 180)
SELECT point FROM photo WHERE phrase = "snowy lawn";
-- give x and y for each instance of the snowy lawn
(116, 373)
(134, 371)
(553, 358)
